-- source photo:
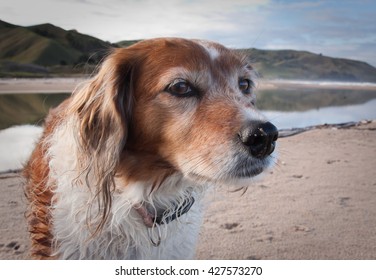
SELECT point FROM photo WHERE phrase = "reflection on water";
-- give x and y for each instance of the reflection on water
(17, 109)
(287, 106)
(326, 115)
(303, 99)
(301, 106)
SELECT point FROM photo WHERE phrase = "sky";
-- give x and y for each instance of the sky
(344, 29)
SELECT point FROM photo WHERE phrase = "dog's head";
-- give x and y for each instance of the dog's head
(173, 105)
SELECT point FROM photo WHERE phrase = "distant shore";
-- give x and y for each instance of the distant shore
(39, 85)
(270, 84)
(67, 85)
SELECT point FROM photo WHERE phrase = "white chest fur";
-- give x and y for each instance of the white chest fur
(124, 236)
(75, 212)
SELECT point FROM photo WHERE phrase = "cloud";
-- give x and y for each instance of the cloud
(328, 27)
(345, 30)
(148, 18)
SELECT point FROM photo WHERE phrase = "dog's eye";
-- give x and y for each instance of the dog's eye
(180, 88)
(245, 85)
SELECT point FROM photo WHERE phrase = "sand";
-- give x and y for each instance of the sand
(277, 84)
(42, 85)
(318, 202)
(64, 85)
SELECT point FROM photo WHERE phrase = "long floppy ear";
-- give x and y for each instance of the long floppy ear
(102, 108)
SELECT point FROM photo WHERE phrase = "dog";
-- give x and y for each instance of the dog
(123, 164)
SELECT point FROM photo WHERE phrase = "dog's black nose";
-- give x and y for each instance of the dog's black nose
(259, 138)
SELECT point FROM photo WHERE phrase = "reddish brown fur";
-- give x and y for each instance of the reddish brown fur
(145, 119)
(39, 193)
(151, 138)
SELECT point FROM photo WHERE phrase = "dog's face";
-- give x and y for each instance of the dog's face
(193, 111)
(168, 106)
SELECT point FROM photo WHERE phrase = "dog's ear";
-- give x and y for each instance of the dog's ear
(102, 108)
(103, 105)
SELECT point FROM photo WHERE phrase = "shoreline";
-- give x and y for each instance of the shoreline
(39, 85)
(67, 85)
(272, 84)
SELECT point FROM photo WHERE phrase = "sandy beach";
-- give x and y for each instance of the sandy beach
(64, 85)
(319, 202)
(42, 85)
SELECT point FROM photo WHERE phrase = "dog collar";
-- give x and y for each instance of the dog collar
(152, 220)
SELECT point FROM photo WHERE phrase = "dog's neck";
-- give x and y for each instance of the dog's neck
(161, 201)
(165, 216)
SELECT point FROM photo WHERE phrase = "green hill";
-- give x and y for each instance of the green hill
(44, 49)
(48, 45)
(302, 65)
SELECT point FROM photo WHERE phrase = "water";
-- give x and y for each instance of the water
(286, 106)
(297, 107)
(326, 115)
(19, 109)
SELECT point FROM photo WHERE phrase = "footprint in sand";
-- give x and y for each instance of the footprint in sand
(344, 201)
(230, 226)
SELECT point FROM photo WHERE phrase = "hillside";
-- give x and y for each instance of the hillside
(127, 43)
(48, 45)
(302, 65)
(46, 49)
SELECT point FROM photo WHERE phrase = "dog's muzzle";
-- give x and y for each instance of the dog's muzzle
(259, 138)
